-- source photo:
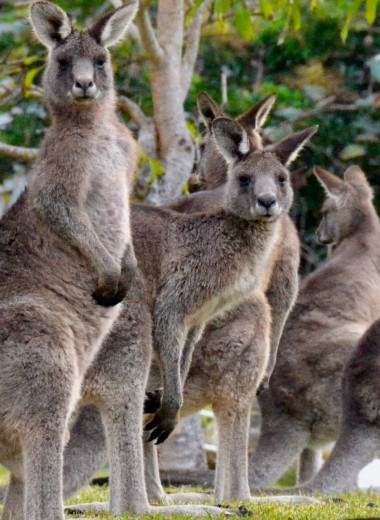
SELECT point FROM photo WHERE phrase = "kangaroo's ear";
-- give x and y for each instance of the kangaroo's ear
(111, 28)
(208, 109)
(231, 138)
(256, 116)
(50, 23)
(288, 149)
(356, 178)
(333, 185)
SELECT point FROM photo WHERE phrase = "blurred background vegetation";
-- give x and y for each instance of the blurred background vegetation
(321, 58)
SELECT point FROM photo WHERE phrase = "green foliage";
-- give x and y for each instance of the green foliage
(296, 45)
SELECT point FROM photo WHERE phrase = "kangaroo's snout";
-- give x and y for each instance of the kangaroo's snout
(266, 205)
(84, 85)
(84, 88)
(267, 200)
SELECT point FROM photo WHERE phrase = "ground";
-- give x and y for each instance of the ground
(351, 506)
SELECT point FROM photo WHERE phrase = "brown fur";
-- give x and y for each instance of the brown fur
(209, 247)
(336, 304)
(358, 442)
(63, 241)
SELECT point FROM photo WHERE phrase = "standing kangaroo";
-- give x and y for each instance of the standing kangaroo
(359, 436)
(61, 251)
(229, 360)
(336, 304)
(192, 267)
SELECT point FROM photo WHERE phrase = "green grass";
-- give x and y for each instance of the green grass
(354, 505)
(350, 506)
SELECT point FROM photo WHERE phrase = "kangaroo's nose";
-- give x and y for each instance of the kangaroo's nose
(84, 83)
(266, 200)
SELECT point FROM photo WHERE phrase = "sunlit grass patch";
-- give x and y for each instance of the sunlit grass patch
(350, 506)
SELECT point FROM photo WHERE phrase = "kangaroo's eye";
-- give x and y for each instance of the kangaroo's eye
(244, 181)
(100, 64)
(282, 179)
(63, 64)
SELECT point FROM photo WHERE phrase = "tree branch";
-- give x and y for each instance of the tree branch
(10, 97)
(147, 35)
(18, 152)
(170, 22)
(326, 105)
(192, 45)
(133, 110)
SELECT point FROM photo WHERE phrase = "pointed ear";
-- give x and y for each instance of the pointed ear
(50, 23)
(208, 109)
(333, 185)
(356, 178)
(288, 149)
(112, 27)
(231, 139)
(256, 116)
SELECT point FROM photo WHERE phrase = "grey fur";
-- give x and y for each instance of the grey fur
(164, 240)
(62, 241)
(336, 304)
(359, 436)
(193, 267)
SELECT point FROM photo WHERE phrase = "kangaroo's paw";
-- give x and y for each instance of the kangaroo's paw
(152, 401)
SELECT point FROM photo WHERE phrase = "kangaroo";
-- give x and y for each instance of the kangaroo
(226, 368)
(193, 267)
(66, 257)
(336, 304)
(358, 441)
(200, 265)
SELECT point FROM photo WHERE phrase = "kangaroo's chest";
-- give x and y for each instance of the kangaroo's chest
(241, 288)
(108, 193)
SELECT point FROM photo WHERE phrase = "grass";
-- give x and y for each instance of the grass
(350, 506)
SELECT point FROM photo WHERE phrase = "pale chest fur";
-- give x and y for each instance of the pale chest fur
(108, 191)
(248, 279)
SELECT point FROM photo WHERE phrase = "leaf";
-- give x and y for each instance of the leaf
(296, 16)
(351, 11)
(266, 7)
(243, 21)
(222, 6)
(156, 169)
(222, 26)
(31, 59)
(371, 8)
(193, 10)
(29, 77)
(192, 128)
(352, 151)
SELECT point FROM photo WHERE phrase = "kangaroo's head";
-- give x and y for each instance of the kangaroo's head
(258, 181)
(79, 68)
(346, 206)
(211, 167)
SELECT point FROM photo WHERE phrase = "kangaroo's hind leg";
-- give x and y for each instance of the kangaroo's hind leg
(309, 463)
(281, 441)
(14, 500)
(39, 384)
(86, 452)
